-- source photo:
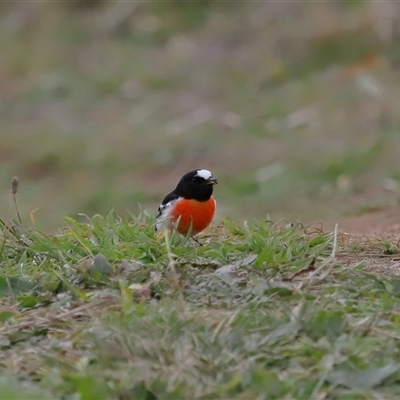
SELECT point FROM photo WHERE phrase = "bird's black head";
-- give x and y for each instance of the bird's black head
(197, 185)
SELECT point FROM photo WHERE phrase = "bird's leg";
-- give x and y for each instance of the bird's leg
(197, 241)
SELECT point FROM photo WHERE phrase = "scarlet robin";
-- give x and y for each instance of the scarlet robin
(190, 207)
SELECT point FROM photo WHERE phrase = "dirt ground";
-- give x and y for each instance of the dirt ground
(372, 239)
(382, 223)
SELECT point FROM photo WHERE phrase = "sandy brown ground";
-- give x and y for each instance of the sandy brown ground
(383, 223)
(372, 239)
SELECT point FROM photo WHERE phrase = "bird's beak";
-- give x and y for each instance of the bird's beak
(211, 181)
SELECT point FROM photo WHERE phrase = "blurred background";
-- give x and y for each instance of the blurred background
(294, 106)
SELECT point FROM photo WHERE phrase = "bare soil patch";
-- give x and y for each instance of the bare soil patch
(372, 239)
(383, 223)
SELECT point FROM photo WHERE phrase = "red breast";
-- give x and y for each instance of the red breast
(192, 214)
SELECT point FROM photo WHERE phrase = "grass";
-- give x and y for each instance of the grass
(293, 107)
(107, 309)
(106, 106)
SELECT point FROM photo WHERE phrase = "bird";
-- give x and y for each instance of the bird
(190, 207)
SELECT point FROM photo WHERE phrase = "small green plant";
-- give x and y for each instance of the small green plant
(105, 308)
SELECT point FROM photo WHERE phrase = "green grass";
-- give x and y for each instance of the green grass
(108, 105)
(107, 309)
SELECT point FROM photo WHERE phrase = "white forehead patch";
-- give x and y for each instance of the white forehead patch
(204, 173)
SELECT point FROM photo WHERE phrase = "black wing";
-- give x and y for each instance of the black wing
(168, 199)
